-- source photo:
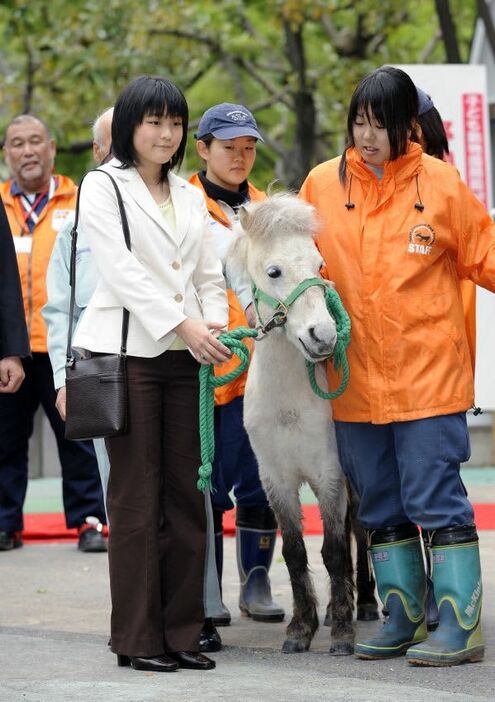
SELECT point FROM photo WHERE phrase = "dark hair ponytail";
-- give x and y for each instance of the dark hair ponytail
(389, 95)
(434, 138)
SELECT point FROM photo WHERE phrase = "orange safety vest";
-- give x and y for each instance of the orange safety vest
(33, 264)
(237, 318)
(399, 270)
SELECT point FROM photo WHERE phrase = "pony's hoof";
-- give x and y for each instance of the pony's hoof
(341, 648)
(367, 613)
(294, 646)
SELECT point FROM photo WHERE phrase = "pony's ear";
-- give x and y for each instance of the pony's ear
(236, 258)
(244, 216)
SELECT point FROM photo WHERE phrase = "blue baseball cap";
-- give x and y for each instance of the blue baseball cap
(425, 102)
(227, 121)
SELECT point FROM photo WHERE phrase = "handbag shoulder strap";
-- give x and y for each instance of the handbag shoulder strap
(72, 274)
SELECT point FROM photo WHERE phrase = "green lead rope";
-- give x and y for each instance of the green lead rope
(233, 340)
(208, 381)
(339, 357)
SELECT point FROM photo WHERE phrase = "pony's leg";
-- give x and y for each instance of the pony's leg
(337, 559)
(348, 539)
(304, 622)
(367, 607)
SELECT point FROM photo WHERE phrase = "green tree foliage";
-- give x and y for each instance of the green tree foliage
(293, 62)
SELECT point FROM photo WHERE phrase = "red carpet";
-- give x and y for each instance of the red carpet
(51, 527)
(484, 516)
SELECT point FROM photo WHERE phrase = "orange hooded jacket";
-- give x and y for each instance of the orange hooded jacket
(398, 271)
(33, 265)
(237, 318)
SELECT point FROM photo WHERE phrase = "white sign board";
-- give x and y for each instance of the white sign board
(459, 93)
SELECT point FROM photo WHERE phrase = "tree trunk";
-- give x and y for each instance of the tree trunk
(27, 99)
(301, 157)
(449, 35)
(485, 14)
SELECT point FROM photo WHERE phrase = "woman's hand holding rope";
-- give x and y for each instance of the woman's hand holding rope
(201, 337)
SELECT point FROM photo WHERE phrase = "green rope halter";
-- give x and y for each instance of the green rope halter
(233, 340)
(281, 307)
(339, 356)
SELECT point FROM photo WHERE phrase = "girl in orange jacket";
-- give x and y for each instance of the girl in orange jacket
(226, 141)
(399, 229)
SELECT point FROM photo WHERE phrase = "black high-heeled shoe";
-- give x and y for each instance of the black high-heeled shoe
(192, 660)
(209, 639)
(160, 664)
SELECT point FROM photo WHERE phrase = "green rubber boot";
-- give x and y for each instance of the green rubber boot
(456, 574)
(400, 576)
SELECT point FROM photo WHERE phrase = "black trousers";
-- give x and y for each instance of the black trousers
(158, 536)
(81, 485)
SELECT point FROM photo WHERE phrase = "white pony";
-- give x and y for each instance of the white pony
(290, 428)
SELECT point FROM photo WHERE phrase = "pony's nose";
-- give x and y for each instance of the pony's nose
(322, 336)
(313, 334)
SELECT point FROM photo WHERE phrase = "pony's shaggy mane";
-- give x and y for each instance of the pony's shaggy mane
(281, 214)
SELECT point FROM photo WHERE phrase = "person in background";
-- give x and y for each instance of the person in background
(171, 282)
(14, 342)
(226, 141)
(56, 310)
(37, 203)
(399, 230)
(430, 130)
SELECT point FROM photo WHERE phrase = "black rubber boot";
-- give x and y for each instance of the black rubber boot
(256, 531)
(209, 639)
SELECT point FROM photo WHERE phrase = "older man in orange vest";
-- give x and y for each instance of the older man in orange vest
(37, 203)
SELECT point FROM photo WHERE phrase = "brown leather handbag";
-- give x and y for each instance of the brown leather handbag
(96, 386)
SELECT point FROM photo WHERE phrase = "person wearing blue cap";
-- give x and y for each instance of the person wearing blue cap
(226, 141)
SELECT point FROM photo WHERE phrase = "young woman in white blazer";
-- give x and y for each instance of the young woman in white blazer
(172, 284)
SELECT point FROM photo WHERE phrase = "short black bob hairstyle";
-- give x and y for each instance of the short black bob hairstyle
(147, 95)
(389, 95)
(434, 137)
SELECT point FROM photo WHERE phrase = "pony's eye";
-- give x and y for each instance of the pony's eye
(274, 272)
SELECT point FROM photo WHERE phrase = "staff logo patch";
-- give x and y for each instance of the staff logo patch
(421, 239)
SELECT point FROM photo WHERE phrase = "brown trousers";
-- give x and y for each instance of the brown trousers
(157, 515)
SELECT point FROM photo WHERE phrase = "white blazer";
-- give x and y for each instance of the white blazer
(168, 277)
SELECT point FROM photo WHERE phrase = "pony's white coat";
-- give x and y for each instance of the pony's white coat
(291, 428)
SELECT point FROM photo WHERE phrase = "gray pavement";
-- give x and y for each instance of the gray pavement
(54, 612)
